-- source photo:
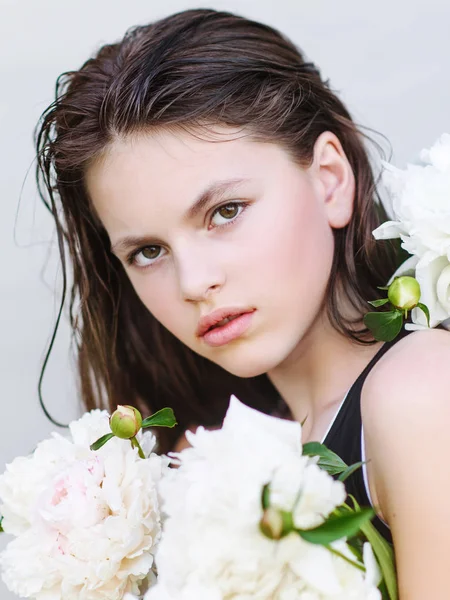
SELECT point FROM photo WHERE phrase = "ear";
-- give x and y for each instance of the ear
(334, 175)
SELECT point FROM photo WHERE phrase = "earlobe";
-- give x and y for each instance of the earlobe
(336, 178)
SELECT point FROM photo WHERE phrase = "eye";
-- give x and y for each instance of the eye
(226, 213)
(146, 256)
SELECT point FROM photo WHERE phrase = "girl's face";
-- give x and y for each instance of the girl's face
(230, 227)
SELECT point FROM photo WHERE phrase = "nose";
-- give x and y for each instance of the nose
(200, 274)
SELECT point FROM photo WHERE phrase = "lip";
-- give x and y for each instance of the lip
(208, 321)
(232, 330)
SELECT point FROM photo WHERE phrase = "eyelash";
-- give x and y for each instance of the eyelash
(132, 257)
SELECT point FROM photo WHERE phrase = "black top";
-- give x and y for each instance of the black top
(344, 437)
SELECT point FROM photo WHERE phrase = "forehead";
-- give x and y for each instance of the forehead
(164, 151)
(152, 174)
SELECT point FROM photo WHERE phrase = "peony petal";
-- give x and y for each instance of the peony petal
(443, 289)
(80, 551)
(415, 327)
(240, 417)
(317, 567)
(389, 230)
(406, 268)
(446, 324)
(439, 154)
(212, 505)
(373, 573)
(427, 274)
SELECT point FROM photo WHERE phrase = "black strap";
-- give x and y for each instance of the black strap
(344, 437)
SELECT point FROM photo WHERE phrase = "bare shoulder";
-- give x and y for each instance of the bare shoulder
(405, 406)
(412, 377)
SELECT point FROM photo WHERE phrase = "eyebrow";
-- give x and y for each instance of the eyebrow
(212, 192)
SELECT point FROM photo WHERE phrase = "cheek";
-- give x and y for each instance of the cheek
(292, 251)
(158, 294)
(307, 267)
(308, 246)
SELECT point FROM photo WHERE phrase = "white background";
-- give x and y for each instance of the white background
(388, 59)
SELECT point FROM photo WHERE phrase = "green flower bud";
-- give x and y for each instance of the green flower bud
(275, 523)
(125, 422)
(404, 292)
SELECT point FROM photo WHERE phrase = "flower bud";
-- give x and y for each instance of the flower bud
(275, 523)
(271, 523)
(404, 292)
(125, 422)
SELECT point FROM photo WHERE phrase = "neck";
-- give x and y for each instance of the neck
(315, 377)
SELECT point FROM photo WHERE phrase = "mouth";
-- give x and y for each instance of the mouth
(224, 325)
(224, 321)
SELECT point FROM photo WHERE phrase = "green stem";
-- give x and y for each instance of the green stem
(346, 558)
(136, 444)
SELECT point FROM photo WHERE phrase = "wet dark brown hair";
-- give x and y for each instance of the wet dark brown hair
(189, 70)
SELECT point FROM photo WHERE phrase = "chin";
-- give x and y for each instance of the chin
(244, 372)
(248, 364)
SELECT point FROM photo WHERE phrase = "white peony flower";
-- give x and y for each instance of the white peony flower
(87, 523)
(212, 548)
(421, 206)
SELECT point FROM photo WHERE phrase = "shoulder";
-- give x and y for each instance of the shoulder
(405, 407)
(412, 376)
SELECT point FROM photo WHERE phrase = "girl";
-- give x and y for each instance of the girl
(217, 204)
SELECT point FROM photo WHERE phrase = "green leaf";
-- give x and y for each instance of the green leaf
(383, 553)
(265, 496)
(378, 302)
(350, 470)
(383, 590)
(136, 444)
(337, 527)
(328, 460)
(163, 418)
(385, 558)
(356, 546)
(385, 326)
(101, 441)
(1, 528)
(424, 308)
(357, 564)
